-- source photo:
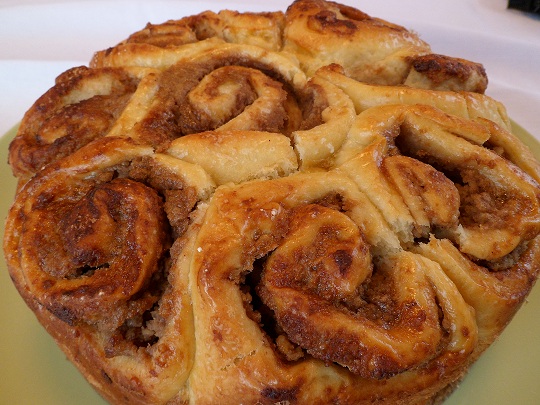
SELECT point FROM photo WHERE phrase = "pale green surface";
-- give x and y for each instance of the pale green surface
(34, 371)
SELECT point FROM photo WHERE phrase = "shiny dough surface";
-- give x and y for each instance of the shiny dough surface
(306, 207)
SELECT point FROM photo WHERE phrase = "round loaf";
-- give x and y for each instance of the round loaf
(299, 207)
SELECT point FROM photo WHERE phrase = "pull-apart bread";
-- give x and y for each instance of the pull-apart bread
(300, 207)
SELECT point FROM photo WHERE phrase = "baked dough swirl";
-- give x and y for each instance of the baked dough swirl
(318, 33)
(304, 207)
(452, 185)
(96, 255)
(57, 123)
(372, 50)
(335, 291)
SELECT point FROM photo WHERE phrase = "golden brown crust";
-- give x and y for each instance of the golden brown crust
(317, 33)
(265, 216)
(56, 125)
(111, 288)
(440, 72)
(305, 207)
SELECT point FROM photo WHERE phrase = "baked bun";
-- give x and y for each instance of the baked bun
(288, 207)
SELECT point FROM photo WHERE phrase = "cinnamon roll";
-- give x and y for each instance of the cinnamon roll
(372, 50)
(313, 32)
(461, 103)
(99, 234)
(324, 305)
(190, 33)
(57, 123)
(304, 206)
